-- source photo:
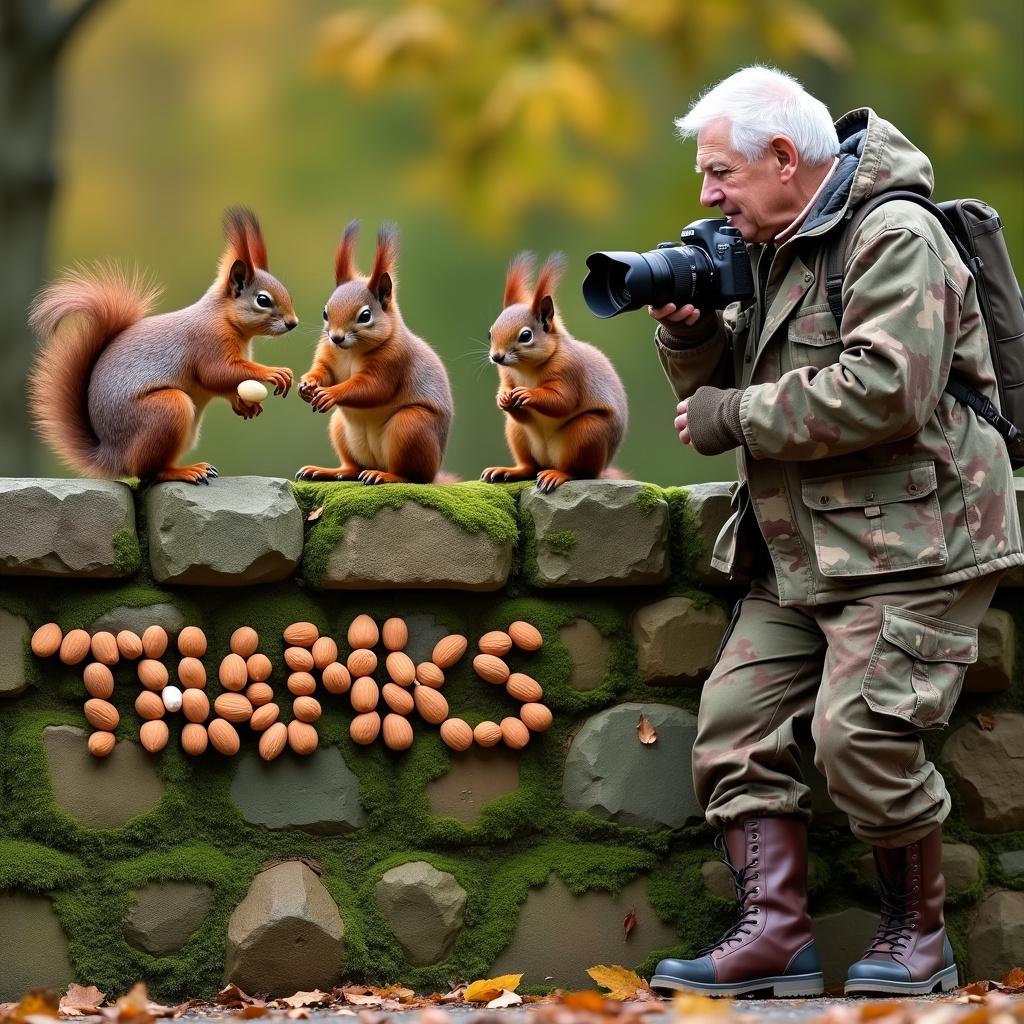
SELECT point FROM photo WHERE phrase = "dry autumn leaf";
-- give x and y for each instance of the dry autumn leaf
(621, 983)
(37, 1003)
(589, 1001)
(80, 999)
(1014, 981)
(314, 998)
(232, 996)
(686, 1006)
(253, 1010)
(315, 514)
(629, 923)
(645, 731)
(505, 999)
(986, 722)
(490, 988)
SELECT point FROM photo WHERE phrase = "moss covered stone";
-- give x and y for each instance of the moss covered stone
(15, 634)
(424, 908)
(165, 914)
(35, 949)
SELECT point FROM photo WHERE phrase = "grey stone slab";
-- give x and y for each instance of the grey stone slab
(988, 765)
(609, 773)
(997, 648)
(318, 794)
(1012, 863)
(15, 634)
(995, 938)
(592, 533)
(286, 935)
(589, 650)
(35, 949)
(236, 531)
(475, 777)
(559, 935)
(414, 547)
(138, 620)
(676, 642)
(64, 527)
(100, 791)
(424, 908)
(841, 939)
(165, 915)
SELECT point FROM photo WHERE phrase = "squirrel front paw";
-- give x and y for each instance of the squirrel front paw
(247, 410)
(308, 387)
(514, 398)
(280, 377)
(322, 399)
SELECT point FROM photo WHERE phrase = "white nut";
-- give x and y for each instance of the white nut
(252, 391)
(172, 698)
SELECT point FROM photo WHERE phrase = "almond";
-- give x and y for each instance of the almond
(301, 684)
(429, 674)
(306, 709)
(223, 737)
(395, 634)
(456, 734)
(433, 708)
(336, 678)
(192, 642)
(195, 706)
(154, 736)
(149, 706)
(537, 717)
(194, 739)
(234, 672)
(397, 732)
(298, 659)
(448, 650)
(129, 644)
(259, 694)
(364, 728)
(325, 651)
(363, 632)
(525, 636)
(301, 634)
(302, 737)
(104, 648)
(264, 717)
(273, 741)
(192, 673)
(361, 662)
(102, 715)
(152, 674)
(244, 641)
(154, 641)
(523, 688)
(46, 641)
(233, 707)
(487, 734)
(364, 694)
(99, 680)
(514, 733)
(496, 642)
(397, 698)
(101, 744)
(401, 668)
(75, 646)
(490, 668)
(258, 668)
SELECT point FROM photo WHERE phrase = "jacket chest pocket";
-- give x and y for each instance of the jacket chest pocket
(813, 339)
(877, 521)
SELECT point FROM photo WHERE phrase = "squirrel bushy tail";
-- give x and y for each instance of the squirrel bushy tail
(104, 301)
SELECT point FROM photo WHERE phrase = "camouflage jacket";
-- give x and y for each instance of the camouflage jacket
(862, 475)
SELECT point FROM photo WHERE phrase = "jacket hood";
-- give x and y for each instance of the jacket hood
(873, 157)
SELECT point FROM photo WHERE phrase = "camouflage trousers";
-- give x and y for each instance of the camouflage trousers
(870, 675)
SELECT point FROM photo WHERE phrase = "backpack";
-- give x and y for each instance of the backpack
(977, 233)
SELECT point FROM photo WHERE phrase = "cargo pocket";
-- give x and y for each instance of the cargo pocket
(814, 339)
(917, 667)
(876, 521)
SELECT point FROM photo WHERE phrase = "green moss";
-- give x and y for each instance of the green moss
(650, 498)
(127, 554)
(36, 868)
(561, 542)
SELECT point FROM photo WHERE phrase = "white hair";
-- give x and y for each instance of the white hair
(759, 103)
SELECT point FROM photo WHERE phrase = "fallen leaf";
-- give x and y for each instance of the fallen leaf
(232, 996)
(505, 999)
(298, 1013)
(490, 988)
(315, 514)
(314, 998)
(629, 923)
(987, 722)
(80, 999)
(588, 1001)
(686, 1005)
(874, 1011)
(976, 988)
(621, 983)
(1014, 981)
(645, 730)
(253, 1010)
(39, 1002)
(361, 999)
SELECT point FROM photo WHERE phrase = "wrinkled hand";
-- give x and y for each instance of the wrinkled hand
(247, 410)
(307, 387)
(515, 398)
(323, 399)
(280, 377)
(671, 315)
(681, 424)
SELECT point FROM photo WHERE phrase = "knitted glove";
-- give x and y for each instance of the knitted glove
(713, 416)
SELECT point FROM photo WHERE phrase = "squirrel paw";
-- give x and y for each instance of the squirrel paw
(307, 388)
(323, 473)
(247, 410)
(322, 400)
(507, 474)
(200, 473)
(380, 476)
(549, 479)
(280, 377)
(514, 398)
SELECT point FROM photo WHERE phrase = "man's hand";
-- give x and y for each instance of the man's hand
(670, 316)
(682, 427)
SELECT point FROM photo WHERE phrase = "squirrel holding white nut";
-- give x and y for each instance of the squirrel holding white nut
(565, 404)
(388, 388)
(117, 392)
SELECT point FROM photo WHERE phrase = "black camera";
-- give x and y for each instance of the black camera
(707, 267)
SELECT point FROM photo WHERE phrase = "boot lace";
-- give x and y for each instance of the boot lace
(746, 916)
(896, 924)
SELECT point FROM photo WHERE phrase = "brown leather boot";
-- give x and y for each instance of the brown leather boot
(910, 954)
(769, 946)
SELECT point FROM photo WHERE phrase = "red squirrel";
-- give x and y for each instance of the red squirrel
(565, 405)
(388, 388)
(117, 392)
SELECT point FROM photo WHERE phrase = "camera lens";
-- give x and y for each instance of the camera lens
(621, 281)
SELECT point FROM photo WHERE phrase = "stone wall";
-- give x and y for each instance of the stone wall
(423, 865)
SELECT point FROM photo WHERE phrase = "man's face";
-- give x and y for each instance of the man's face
(750, 194)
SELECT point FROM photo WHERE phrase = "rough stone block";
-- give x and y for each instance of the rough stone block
(67, 528)
(139, 619)
(997, 647)
(475, 777)
(1012, 863)
(609, 773)
(598, 533)
(589, 650)
(710, 506)
(235, 532)
(424, 908)
(989, 768)
(15, 634)
(35, 950)
(588, 931)
(415, 547)
(286, 935)
(165, 915)
(100, 791)
(841, 939)
(961, 867)
(676, 641)
(318, 794)
(995, 939)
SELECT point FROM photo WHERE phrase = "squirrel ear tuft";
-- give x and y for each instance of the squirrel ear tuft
(384, 263)
(344, 255)
(517, 280)
(239, 275)
(239, 223)
(547, 281)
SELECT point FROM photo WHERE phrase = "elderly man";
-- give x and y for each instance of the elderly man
(874, 511)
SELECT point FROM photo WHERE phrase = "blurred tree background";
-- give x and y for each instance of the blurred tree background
(482, 127)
